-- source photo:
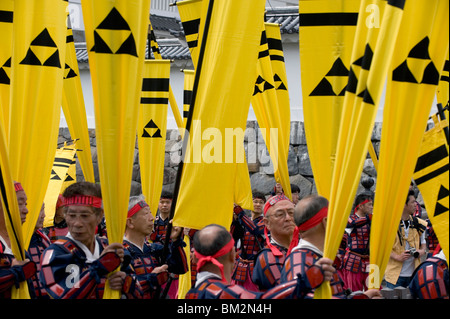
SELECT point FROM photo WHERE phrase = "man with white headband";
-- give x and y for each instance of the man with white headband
(77, 266)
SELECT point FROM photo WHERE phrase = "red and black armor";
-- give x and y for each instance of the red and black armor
(430, 280)
(252, 242)
(159, 231)
(146, 260)
(39, 242)
(66, 274)
(267, 271)
(215, 288)
(356, 258)
(12, 275)
(300, 264)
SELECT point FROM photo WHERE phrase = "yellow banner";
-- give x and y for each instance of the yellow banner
(443, 87)
(173, 103)
(152, 128)
(431, 175)
(74, 109)
(219, 116)
(187, 93)
(116, 33)
(39, 47)
(11, 215)
(6, 32)
(420, 53)
(184, 282)
(327, 32)
(371, 56)
(64, 159)
(190, 13)
(269, 114)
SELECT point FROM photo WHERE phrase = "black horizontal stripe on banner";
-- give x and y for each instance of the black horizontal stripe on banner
(63, 160)
(61, 165)
(187, 96)
(185, 114)
(275, 44)
(328, 19)
(263, 54)
(69, 39)
(155, 85)
(191, 27)
(432, 175)
(397, 3)
(192, 44)
(277, 57)
(6, 16)
(154, 100)
(431, 157)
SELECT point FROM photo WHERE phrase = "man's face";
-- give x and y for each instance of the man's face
(22, 201)
(258, 205)
(164, 205)
(295, 197)
(41, 218)
(143, 221)
(82, 222)
(367, 208)
(279, 218)
(410, 206)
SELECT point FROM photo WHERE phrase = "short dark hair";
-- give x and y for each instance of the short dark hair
(258, 194)
(361, 198)
(295, 188)
(210, 247)
(315, 204)
(410, 193)
(166, 194)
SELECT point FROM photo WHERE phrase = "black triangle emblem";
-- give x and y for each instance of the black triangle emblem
(30, 59)
(282, 87)
(352, 82)
(268, 86)
(338, 69)
(44, 40)
(56, 178)
(53, 60)
(4, 78)
(430, 75)
(440, 209)
(128, 47)
(71, 73)
(443, 192)
(7, 63)
(368, 98)
(151, 124)
(114, 21)
(145, 134)
(324, 88)
(420, 50)
(367, 59)
(403, 74)
(100, 46)
(157, 133)
(68, 178)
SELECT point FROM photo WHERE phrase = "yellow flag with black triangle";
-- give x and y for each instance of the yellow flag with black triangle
(173, 103)
(209, 175)
(116, 33)
(327, 31)
(6, 32)
(269, 114)
(431, 175)
(152, 128)
(39, 46)
(371, 56)
(10, 215)
(420, 52)
(64, 159)
(74, 109)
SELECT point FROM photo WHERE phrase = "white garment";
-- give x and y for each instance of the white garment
(8, 250)
(203, 275)
(306, 244)
(90, 257)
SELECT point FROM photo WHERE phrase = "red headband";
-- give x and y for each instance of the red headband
(83, 200)
(137, 208)
(18, 187)
(362, 203)
(59, 202)
(202, 260)
(270, 202)
(315, 220)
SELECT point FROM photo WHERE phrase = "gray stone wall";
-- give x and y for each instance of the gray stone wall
(258, 159)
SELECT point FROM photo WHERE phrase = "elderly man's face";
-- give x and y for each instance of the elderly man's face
(279, 218)
(82, 222)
